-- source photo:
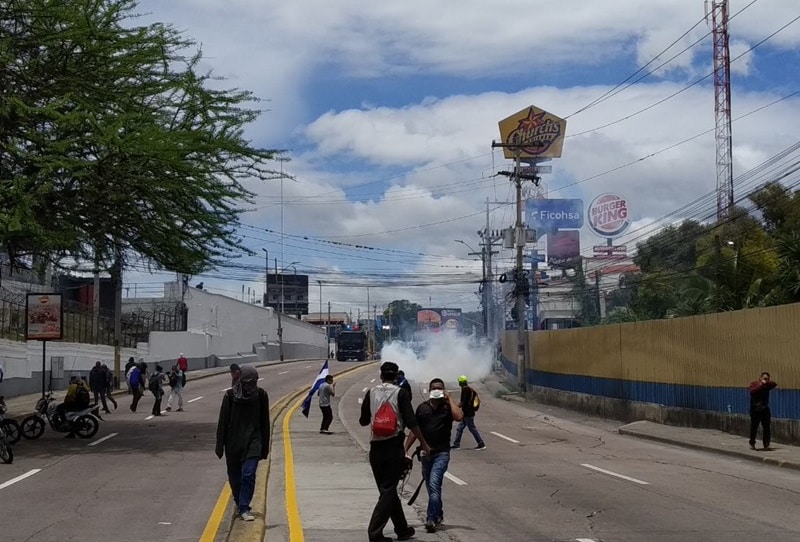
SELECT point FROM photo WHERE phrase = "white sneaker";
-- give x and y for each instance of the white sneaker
(247, 516)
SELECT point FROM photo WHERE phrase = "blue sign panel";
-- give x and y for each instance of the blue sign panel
(550, 215)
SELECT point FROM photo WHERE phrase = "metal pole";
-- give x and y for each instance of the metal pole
(280, 327)
(266, 276)
(520, 301)
(96, 305)
(490, 323)
(369, 330)
(327, 327)
(44, 363)
(117, 274)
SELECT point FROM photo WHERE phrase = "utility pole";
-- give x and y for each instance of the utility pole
(116, 275)
(369, 331)
(280, 327)
(266, 276)
(327, 327)
(521, 285)
(722, 107)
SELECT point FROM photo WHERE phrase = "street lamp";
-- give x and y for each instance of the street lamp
(465, 244)
(295, 274)
(280, 325)
(266, 276)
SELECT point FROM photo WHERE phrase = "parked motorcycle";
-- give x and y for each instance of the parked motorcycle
(84, 423)
(6, 453)
(11, 427)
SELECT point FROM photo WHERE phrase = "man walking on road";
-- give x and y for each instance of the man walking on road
(176, 377)
(468, 407)
(243, 435)
(136, 383)
(326, 391)
(759, 409)
(98, 383)
(388, 408)
(156, 385)
(109, 385)
(435, 417)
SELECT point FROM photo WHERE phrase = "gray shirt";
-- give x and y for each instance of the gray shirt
(325, 394)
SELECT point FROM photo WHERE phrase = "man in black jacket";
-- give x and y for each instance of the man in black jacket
(243, 435)
(467, 404)
(98, 381)
(759, 409)
(386, 454)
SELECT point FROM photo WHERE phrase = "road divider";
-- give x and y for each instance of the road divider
(105, 438)
(615, 474)
(19, 478)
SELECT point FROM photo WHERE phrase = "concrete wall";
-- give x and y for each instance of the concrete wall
(686, 371)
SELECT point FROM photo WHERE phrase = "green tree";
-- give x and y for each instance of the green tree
(113, 145)
(586, 298)
(672, 248)
(403, 316)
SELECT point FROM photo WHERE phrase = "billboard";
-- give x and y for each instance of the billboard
(544, 131)
(437, 320)
(549, 215)
(563, 248)
(44, 317)
(608, 215)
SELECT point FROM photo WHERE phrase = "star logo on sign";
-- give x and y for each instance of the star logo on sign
(531, 121)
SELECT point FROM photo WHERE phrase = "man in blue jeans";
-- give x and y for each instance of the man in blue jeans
(435, 418)
(243, 435)
(467, 404)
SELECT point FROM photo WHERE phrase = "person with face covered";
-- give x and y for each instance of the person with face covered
(435, 418)
(243, 435)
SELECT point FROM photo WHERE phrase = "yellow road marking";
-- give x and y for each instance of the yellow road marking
(210, 532)
(292, 510)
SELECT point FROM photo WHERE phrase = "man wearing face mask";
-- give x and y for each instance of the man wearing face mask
(243, 435)
(435, 418)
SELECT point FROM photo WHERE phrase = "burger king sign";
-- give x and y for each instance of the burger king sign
(608, 215)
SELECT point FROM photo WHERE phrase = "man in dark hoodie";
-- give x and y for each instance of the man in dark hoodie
(759, 409)
(243, 435)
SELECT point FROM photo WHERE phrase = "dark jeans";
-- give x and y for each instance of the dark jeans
(762, 417)
(327, 417)
(157, 404)
(242, 478)
(387, 459)
(433, 469)
(111, 397)
(469, 423)
(137, 394)
(100, 396)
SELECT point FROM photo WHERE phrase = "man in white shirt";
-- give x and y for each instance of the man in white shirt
(326, 391)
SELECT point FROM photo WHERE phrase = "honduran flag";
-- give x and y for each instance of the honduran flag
(314, 388)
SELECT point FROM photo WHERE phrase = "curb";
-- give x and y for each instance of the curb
(240, 531)
(732, 453)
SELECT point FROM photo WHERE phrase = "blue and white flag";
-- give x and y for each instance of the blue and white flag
(320, 380)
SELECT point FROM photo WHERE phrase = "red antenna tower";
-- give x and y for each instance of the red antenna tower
(722, 106)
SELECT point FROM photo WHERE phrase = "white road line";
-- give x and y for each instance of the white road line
(285, 373)
(584, 540)
(195, 399)
(105, 438)
(509, 439)
(360, 400)
(19, 478)
(364, 390)
(455, 479)
(150, 417)
(371, 381)
(611, 473)
(226, 389)
(164, 523)
(309, 366)
(260, 379)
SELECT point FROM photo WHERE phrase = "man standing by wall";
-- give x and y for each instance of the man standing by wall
(435, 417)
(388, 408)
(759, 409)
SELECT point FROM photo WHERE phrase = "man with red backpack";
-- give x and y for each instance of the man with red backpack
(387, 407)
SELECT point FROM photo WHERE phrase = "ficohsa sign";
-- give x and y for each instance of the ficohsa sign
(608, 215)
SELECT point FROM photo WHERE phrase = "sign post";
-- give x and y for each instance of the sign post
(44, 321)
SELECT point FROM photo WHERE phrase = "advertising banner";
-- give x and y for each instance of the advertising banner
(608, 215)
(542, 130)
(437, 320)
(452, 320)
(563, 248)
(44, 317)
(549, 215)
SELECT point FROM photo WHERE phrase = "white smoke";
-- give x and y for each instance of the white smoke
(445, 356)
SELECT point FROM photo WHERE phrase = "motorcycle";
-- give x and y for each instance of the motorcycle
(6, 453)
(84, 423)
(9, 426)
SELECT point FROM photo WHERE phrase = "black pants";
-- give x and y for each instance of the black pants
(157, 405)
(386, 458)
(762, 417)
(100, 395)
(327, 417)
(137, 395)
(111, 397)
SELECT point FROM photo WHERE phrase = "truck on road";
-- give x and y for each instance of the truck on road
(351, 345)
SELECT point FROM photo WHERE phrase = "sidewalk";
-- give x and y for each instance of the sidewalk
(23, 405)
(708, 440)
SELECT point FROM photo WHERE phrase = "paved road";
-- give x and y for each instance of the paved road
(547, 475)
(138, 479)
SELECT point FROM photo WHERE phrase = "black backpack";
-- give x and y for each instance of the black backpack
(154, 381)
(173, 379)
(82, 398)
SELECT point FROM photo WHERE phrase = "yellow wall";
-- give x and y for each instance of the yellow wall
(725, 349)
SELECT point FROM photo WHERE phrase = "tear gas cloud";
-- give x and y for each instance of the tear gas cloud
(444, 355)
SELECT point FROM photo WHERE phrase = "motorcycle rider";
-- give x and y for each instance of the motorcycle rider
(77, 398)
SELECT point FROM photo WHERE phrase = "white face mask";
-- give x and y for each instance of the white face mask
(437, 394)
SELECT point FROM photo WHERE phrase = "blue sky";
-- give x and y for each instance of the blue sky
(388, 112)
